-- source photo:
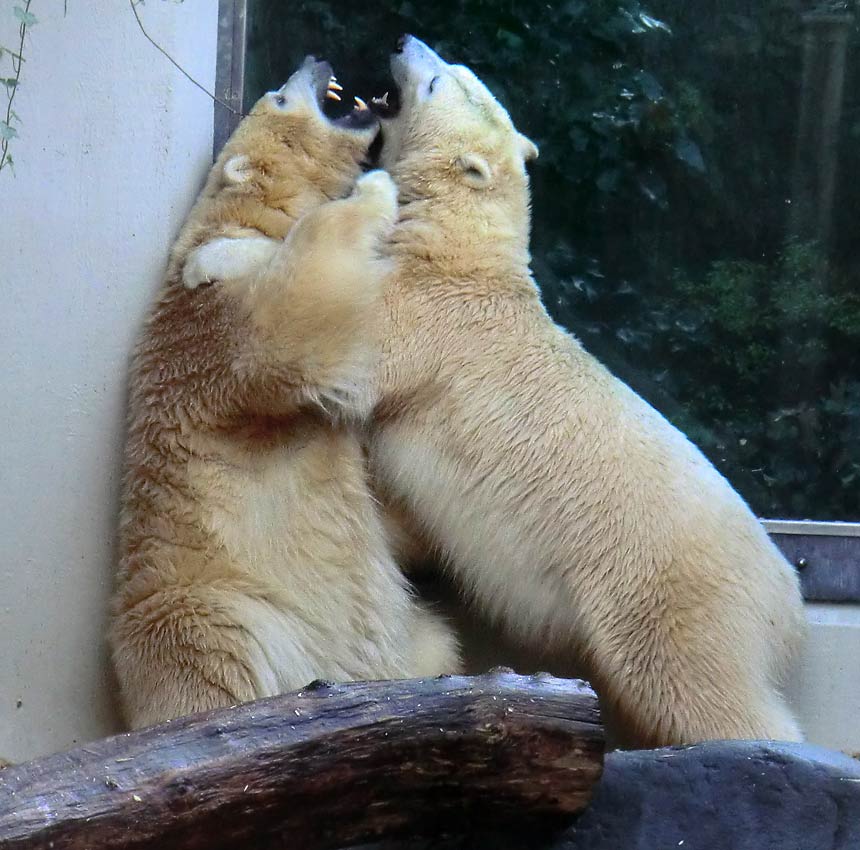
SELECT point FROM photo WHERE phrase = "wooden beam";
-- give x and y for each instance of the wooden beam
(325, 767)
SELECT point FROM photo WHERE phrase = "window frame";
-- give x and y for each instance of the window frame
(229, 70)
(826, 554)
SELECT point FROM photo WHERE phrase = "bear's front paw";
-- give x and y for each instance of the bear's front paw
(379, 189)
(227, 258)
(194, 272)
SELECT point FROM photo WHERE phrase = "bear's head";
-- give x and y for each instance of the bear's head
(450, 138)
(288, 153)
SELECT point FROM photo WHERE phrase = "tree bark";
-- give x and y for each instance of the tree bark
(325, 767)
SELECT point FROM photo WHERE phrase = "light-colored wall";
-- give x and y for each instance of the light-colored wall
(825, 687)
(113, 146)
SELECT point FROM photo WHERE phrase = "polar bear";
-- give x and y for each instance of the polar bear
(566, 506)
(253, 559)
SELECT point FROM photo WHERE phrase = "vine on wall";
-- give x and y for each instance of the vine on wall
(26, 19)
(14, 59)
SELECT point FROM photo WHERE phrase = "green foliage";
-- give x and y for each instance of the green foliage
(661, 223)
(773, 348)
(27, 18)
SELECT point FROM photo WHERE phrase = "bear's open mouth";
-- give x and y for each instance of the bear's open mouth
(330, 100)
(388, 105)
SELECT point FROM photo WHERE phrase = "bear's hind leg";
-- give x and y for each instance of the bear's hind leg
(436, 647)
(662, 694)
(179, 651)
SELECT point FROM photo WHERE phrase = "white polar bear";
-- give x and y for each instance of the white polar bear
(252, 555)
(567, 507)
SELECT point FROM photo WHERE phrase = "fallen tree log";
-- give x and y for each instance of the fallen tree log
(325, 767)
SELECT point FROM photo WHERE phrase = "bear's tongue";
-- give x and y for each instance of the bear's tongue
(359, 119)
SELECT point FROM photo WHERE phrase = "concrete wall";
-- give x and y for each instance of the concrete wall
(113, 146)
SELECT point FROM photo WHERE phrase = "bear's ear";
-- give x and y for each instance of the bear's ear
(475, 169)
(237, 169)
(528, 148)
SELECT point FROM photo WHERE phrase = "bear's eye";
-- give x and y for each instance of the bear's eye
(280, 100)
(433, 84)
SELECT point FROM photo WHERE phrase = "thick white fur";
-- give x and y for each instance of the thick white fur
(226, 258)
(567, 507)
(253, 557)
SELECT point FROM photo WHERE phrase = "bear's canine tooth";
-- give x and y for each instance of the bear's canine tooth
(360, 105)
(332, 95)
(333, 84)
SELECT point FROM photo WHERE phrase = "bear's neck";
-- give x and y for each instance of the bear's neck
(455, 241)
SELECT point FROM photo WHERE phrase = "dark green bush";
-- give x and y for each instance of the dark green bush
(661, 207)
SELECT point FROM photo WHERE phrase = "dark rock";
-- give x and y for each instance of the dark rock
(723, 794)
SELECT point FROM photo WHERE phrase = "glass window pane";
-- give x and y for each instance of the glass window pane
(695, 201)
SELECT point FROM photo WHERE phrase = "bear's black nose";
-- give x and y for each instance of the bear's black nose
(401, 43)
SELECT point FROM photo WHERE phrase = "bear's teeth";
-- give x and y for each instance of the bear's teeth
(381, 101)
(332, 95)
(334, 84)
(360, 105)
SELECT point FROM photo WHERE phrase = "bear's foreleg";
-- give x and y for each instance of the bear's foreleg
(314, 308)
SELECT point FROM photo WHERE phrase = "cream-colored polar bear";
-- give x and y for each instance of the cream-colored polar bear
(253, 559)
(568, 508)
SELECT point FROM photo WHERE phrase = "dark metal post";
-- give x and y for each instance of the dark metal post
(230, 69)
